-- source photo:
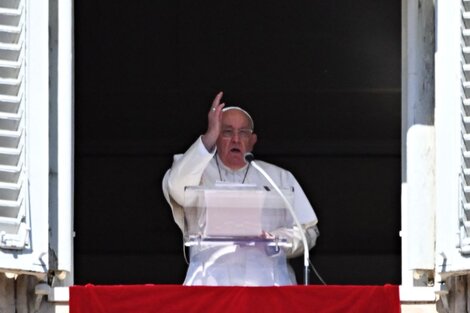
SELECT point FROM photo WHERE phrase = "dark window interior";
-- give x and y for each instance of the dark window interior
(322, 81)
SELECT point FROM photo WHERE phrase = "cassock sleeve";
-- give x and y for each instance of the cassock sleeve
(187, 170)
(306, 216)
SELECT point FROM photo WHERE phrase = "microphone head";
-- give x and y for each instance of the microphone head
(249, 157)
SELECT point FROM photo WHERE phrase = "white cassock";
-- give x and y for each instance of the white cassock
(237, 265)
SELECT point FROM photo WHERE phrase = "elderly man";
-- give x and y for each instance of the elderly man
(218, 155)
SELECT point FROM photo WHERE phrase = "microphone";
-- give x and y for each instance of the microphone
(249, 158)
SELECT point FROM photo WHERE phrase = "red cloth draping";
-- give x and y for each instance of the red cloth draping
(176, 298)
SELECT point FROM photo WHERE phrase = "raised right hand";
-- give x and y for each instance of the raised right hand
(214, 123)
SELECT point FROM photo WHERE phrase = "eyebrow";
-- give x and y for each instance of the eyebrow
(231, 127)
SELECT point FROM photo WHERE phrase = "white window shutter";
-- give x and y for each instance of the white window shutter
(452, 95)
(14, 222)
(24, 136)
(464, 195)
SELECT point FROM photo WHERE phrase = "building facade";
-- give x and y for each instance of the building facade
(36, 155)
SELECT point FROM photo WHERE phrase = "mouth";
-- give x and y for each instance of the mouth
(235, 150)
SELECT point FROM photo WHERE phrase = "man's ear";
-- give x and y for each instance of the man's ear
(253, 140)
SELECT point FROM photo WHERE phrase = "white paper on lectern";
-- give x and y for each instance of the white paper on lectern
(231, 213)
(267, 212)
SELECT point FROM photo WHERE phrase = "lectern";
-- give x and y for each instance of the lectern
(232, 231)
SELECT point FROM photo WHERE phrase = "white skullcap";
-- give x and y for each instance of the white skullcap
(240, 109)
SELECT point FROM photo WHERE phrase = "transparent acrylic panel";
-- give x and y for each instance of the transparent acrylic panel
(235, 211)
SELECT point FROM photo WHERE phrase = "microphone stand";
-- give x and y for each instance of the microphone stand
(250, 159)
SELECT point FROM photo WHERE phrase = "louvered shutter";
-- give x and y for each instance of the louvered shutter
(24, 136)
(464, 194)
(14, 226)
(452, 124)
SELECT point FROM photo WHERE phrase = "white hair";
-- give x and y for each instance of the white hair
(241, 110)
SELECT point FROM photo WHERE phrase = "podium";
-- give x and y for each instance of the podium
(232, 234)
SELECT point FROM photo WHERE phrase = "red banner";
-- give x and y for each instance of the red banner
(175, 298)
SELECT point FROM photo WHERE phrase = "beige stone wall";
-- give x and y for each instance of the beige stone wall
(458, 297)
(419, 308)
(17, 295)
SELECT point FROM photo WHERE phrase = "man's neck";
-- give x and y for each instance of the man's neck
(232, 168)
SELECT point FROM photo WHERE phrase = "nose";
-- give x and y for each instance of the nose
(236, 137)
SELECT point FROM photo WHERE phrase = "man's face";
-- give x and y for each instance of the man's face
(235, 139)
